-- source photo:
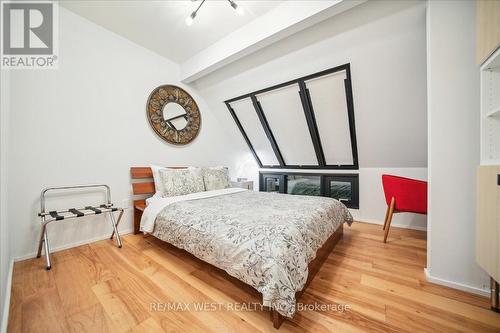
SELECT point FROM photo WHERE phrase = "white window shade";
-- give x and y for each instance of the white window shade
(283, 110)
(306, 123)
(328, 99)
(247, 116)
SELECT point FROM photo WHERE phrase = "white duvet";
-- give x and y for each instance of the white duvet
(156, 204)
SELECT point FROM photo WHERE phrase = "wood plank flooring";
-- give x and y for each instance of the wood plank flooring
(100, 288)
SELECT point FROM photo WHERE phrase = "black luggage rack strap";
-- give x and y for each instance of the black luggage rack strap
(57, 215)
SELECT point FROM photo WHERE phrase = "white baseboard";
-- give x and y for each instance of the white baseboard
(456, 285)
(74, 244)
(394, 224)
(6, 306)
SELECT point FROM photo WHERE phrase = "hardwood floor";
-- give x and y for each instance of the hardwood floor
(100, 288)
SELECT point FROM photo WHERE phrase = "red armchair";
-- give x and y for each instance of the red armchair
(403, 195)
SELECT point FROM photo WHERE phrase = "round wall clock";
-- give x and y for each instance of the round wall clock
(173, 114)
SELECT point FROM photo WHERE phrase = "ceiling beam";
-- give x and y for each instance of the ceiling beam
(284, 20)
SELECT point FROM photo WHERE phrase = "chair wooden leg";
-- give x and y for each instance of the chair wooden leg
(386, 216)
(389, 218)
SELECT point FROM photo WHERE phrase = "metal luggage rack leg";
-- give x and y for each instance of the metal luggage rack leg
(60, 215)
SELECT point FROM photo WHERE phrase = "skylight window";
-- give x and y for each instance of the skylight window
(243, 110)
(329, 102)
(284, 113)
(304, 123)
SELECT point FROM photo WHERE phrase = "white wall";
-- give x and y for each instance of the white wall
(385, 44)
(453, 107)
(5, 255)
(86, 123)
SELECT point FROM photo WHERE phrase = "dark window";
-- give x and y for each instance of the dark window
(306, 123)
(273, 183)
(343, 187)
(303, 185)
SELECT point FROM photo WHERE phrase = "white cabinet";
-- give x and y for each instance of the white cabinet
(490, 110)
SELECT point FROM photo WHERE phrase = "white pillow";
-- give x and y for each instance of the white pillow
(216, 178)
(181, 181)
(157, 180)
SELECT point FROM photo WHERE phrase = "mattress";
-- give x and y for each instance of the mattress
(264, 239)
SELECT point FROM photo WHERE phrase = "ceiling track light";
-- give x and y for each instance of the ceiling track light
(190, 18)
(237, 8)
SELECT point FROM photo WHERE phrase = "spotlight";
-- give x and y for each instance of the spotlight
(190, 18)
(237, 8)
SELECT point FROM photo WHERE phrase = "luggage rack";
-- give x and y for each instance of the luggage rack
(71, 213)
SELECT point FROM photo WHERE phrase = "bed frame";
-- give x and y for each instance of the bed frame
(143, 189)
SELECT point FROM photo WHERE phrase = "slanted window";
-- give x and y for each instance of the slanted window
(251, 128)
(283, 110)
(304, 123)
(329, 102)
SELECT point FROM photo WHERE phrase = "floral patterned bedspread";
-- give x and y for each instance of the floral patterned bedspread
(263, 239)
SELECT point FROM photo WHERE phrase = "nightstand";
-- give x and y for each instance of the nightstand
(247, 184)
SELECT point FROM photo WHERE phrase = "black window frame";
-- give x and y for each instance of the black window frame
(325, 179)
(306, 102)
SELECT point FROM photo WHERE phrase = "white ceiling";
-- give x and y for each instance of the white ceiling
(159, 25)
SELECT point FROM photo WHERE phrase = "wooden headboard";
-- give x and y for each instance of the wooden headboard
(144, 189)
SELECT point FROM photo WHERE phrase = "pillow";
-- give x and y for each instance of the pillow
(157, 180)
(215, 178)
(181, 181)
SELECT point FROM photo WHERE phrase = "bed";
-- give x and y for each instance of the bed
(272, 242)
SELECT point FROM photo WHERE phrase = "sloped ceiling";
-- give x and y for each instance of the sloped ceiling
(218, 35)
(159, 25)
